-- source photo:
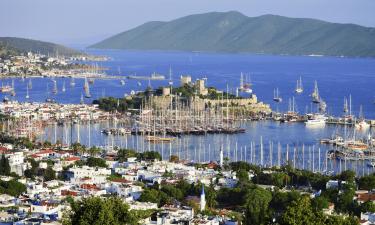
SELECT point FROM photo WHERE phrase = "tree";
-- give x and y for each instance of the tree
(367, 182)
(300, 212)
(124, 154)
(12, 187)
(174, 159)
(96, 162)
(97, 211)
(368, 206)
(256, 206)
(4, 166)
(320, 203)
(49, 174)
(243, 176)
(93, 151)
(149, 155)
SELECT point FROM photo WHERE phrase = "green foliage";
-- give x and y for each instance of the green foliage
(368, 206)
(49, 174)
(97, 211)
(149, 155)
(124, 154)
(25, 45)
(174, 158)
(155, 196)
(367, 182)
(112, 104)
(12, 187)
(4, 166)
(96, 162)
(257, 206)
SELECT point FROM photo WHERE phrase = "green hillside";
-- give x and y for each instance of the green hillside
(14, 44)
(235, 32)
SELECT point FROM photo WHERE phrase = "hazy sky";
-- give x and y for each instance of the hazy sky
(88, 21)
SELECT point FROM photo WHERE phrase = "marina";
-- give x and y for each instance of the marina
(198, 134)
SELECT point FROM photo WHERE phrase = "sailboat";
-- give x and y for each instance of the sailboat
(276, 96)
(54, 90)
(346, 109)
(30, 84)
(63, 87)
(82, 101)
(49, 99)
(315, 95)
(299, 87)
(13, 92)
(170, 77)
(27, 92)
(362, 124)
(72, 82)
(87, 89)
(245, 85)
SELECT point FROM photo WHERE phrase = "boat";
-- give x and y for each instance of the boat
(156, 139)
(153, 76)
(54, 90)
(276, 96)
(139, 83)
(245, 85)
(122, 82)
(49, 99)
(91, 80)
(81, 100)
(87, 89)
(63, 87)
(299, 87)
(27, 92)
(362, 124)
(346, 108)
(316, 119)
(170, 77)
(13, 91)
(6, 89)
(315, 95)
(30, 84)
(72, 82)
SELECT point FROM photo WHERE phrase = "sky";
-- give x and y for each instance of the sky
(84, 22)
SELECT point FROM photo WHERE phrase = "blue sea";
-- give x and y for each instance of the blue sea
(336, 77)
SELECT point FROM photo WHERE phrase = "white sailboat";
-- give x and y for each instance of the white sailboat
(30, 84)
(87, 89)
(63, 87)
(54, 90)
(345, 109)
(27, 92)
(170, 77)
(276, 96)
(13, 92)
(299, 87)
(315, 95)
(81, 100)
(245, 85)
(72, 82)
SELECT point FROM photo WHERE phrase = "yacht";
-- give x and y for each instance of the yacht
(299, 87)
(316, 119)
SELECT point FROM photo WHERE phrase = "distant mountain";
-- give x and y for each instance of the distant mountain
(235, 32)
(13, 44)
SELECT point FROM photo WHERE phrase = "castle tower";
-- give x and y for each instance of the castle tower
(203, 199)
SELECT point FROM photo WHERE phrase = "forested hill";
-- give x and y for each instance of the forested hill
(13, 45)
(235, 32)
